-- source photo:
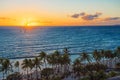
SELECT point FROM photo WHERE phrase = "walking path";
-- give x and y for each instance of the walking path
(114, 78)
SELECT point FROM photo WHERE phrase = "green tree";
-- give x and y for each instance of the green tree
(97, 56)
(17, 64)
(109, 55)
(102, 53)
(37, 62)
(77, 67)
(51, 60)
(85, 57)
(57, 58)
(54, 59)
(6, 67)
(25, 66)
(77, 62)
(43, 56)
(66, 60)
(31, 66)
(117, 52)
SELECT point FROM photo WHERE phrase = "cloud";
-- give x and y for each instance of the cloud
(82, 14)
(78, 15)
(75, 15)
(6, 18)
(85, 16)
(112, 18)
(91, 17)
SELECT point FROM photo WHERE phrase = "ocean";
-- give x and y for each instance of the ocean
(23, 42)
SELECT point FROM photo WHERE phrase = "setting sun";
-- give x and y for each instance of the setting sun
(29, 22)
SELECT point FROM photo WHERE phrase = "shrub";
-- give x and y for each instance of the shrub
(112, 74)
(117, 65)
(14, 76)
(85, 78)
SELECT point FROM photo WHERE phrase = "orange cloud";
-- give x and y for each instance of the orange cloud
(6, 18)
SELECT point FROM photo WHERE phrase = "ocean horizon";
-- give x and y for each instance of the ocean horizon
(22, 42)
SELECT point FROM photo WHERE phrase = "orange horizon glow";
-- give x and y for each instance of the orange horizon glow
(34, 21)
(59, 12)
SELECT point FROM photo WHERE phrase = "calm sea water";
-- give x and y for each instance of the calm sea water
(16, 41)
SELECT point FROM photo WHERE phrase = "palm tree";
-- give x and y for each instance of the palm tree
(1, 60)
(51, 59)
(6, 67)
(56, 56)
(17, 65)
(66, 60)
(37, 62)
(25, 65)
(102, 53)
(118, 53)
(77, 67)
(109, 56)
(54, 59)
(96, 56)
(77, 62)
(43, 56)
(85, 57)
(31, 66)
(65, 51)
(1, 66)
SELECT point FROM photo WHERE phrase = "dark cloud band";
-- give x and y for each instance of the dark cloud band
(112, 18)
(85, 16)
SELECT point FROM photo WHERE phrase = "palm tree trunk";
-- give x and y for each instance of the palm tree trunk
(30, 74)
(45, 64)
(103, 60)
(61, 67)
(27, 74)
(3, 75)
(6, 73)
(36, 74)
(18, 69)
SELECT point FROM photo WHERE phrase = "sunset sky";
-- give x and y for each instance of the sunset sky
(59, 12)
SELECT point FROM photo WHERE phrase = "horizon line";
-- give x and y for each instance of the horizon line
(58, 25)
